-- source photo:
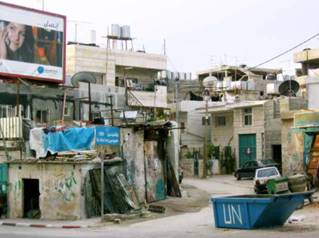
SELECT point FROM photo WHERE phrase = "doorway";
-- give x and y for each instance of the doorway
(276, 153)
(31, 197)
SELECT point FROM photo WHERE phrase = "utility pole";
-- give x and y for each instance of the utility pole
(90, 109)
(112, 113)
(177, 105)
(206, 96)
(102, 186)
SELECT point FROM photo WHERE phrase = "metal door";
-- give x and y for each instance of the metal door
(247, 148)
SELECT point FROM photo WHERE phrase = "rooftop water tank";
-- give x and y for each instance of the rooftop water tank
(116, 30)
(93, 37)
(125, 31)
(210, 81)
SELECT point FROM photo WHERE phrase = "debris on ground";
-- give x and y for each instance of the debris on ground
(294, 218)
(156, 208)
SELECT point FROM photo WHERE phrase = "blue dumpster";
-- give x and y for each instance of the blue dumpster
(255, 211)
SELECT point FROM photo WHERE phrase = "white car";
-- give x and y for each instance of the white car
(262, 175)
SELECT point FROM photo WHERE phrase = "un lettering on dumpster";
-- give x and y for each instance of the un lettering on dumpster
(254, 211)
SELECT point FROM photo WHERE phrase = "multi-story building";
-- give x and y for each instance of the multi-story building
(245, 115)
(130, 77)
(309, 61)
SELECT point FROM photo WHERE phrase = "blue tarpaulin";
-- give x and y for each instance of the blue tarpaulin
(71, 139)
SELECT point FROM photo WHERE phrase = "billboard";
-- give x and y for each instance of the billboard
(32, 44)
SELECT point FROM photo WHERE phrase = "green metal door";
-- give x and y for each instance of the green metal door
(247, 148)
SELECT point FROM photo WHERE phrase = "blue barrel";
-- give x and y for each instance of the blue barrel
(255, 211)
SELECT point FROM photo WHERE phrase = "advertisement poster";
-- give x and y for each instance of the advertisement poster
(32, 44)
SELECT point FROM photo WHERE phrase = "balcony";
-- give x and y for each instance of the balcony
(156, 99)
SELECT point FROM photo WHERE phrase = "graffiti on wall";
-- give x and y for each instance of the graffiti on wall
(65, 187)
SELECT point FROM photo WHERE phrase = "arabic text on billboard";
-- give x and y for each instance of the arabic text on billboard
(31, 44)
(107, 135)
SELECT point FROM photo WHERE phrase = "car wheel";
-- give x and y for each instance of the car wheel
(238, 176)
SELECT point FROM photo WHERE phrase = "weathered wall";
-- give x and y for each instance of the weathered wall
(272, 127)
(193, 134)
(60, 190)
(292, 148)
(133, 153)
(223, 135)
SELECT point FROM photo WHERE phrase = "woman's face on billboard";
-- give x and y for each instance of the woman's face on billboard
(16, 35)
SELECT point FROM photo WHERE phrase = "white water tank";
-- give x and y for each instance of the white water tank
(115, 30)
(210, 82)
(125, 31)
(92, 36)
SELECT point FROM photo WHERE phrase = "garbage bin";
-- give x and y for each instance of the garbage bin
(255, 211)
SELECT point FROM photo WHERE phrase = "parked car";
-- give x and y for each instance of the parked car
(262, 176)
(249, 167)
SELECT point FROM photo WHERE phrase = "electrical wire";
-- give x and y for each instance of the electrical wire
(286, 51)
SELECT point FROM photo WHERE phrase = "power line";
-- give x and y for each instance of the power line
(286, 51)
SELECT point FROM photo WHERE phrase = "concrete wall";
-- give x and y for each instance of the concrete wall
(222, 135)
(292, 148)
(272, 127)
(156, 99)
(60, 187)
(133, 153)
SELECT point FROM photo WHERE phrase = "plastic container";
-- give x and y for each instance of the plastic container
(278, 185)
(255, 211)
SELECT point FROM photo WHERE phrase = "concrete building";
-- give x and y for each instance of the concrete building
(245, 114)
(129, 77)
(250, 128)
(309, 61)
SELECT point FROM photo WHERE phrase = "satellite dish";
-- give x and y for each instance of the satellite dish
(83, 76)
(289, 88)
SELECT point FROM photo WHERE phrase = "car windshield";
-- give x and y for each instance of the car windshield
(267, 172)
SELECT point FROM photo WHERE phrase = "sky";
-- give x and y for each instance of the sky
(198, 34)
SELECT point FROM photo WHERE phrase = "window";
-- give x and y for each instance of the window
(220, 121)
(42, 116)
(248, 116)
(183, 126)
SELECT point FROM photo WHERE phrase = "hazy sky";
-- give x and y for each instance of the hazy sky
(199, 33)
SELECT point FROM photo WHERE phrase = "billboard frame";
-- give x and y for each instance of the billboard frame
(10, 76)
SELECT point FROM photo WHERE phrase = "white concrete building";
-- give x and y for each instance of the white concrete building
(130, 77)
